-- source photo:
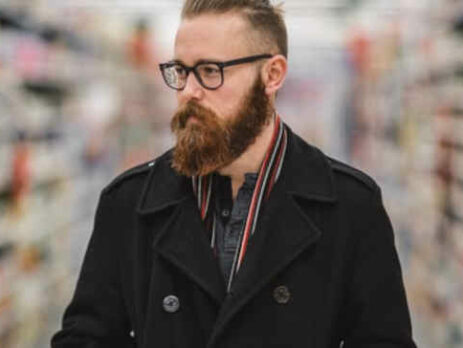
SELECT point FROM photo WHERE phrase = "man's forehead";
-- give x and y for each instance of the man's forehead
(211, 37)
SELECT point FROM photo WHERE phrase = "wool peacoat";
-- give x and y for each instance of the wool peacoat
(321, 270)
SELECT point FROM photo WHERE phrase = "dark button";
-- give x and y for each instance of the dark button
(281, 294)
(225, 213)
(171, 304)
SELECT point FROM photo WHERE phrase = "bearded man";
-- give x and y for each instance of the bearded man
(243, 235)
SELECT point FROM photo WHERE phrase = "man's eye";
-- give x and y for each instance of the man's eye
(179, 70)
(210, 70)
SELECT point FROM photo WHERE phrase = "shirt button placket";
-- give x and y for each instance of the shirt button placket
(225, 213)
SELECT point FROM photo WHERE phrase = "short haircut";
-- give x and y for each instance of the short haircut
(266, 19)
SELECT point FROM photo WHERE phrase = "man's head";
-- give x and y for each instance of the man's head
(267, 30)
(221, 31)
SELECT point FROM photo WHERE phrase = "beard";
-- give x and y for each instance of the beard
(211, 142)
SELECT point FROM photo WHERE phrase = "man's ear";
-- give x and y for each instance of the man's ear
(274, 73)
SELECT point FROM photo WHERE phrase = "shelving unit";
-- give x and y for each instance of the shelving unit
(75, 111)
(408, 132)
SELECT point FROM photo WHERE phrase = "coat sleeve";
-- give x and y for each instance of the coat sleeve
(377, 310)
(96, 316)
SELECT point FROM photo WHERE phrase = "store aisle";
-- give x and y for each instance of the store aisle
(377, 84)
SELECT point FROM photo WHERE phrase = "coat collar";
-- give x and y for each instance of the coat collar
(306, 173)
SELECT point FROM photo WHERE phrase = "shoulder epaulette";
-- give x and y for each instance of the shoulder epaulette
(354, 173)
(141, 168)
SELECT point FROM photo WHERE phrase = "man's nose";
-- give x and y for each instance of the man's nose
(193, 89)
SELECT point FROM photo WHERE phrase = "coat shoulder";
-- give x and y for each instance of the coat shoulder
(348, 171)
(322, 170)
(135, 172)
(129, 174)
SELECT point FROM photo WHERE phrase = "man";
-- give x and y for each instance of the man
(243, 235)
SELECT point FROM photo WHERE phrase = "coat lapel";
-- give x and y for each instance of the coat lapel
(181, 238)
(284, 229)
(185, 245)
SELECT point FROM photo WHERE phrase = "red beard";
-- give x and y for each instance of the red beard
(208, 142)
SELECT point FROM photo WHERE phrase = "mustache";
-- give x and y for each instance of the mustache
(190, 109)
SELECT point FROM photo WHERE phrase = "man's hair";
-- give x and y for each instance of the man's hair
(266, 19)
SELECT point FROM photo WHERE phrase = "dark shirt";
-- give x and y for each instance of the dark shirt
(231, 217)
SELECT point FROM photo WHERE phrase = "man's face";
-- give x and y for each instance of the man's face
(214, 127)
(216, 37)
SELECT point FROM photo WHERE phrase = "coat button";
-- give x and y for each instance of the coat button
(171, 304)
(281, 294)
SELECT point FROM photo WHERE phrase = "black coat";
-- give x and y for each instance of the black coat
(321, 268)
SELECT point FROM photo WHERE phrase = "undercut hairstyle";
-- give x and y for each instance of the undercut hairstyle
(264, 18)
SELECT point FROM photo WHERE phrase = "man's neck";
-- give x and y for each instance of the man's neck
(250, 161)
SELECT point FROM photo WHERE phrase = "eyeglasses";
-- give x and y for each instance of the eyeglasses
(208, 73)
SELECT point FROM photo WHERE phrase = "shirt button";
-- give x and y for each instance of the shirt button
(281, 294)
(225, 213)
(171, 304)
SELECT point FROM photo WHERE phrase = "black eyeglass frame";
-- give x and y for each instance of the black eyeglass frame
(221, 66)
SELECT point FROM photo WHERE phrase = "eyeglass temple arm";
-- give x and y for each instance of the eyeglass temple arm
(244, 60)
(221, 64)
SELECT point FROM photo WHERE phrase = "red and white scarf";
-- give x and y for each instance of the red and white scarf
(268, 175)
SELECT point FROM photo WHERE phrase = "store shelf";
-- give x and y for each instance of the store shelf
(67, 99)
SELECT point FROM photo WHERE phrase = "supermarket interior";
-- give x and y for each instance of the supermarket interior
(375, 83)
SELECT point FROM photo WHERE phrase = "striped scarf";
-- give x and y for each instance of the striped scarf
(268, 175)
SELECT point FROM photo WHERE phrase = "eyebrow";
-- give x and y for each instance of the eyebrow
(200, 61)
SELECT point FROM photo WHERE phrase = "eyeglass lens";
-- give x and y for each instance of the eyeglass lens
(209, 75)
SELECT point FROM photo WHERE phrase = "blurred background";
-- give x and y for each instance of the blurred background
(375, 83)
